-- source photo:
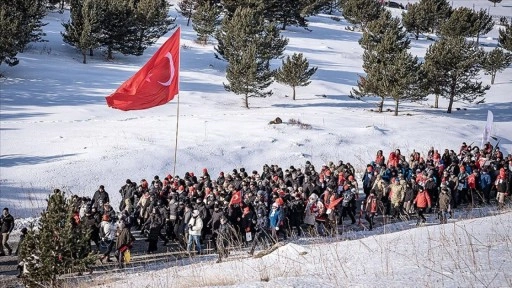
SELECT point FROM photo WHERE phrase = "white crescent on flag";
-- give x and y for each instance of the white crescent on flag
(171, 62)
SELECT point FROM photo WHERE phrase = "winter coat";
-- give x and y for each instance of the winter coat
(276, 217)
(195, 226)
(125, 238)
(397, 194)
(310, 213)
(108, 230)
(485, 181)
(173, 210)
(422, 199)
(100, 198)
(371, 204)
(444, 201)
(7, 223)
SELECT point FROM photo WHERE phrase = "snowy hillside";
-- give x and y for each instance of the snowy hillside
(57, 131)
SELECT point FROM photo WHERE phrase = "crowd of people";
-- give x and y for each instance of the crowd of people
(249, 209)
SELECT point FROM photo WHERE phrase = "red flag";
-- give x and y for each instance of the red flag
(156, 83)
(236, 198)
(333, 204)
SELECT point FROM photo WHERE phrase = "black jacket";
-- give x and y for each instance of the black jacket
(7, 223)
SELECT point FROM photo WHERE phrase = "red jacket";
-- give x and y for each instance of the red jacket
(422, 199)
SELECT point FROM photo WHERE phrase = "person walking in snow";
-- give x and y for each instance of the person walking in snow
(195, 225)
(444, 204)
(423, 203)
(6, 227)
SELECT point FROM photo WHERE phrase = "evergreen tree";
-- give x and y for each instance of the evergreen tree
(482, 24)
(377, 30)
(456, 64)
(264, 7)
(249, 28)
(415, 21)
(495, 61)
(247, 75)
(460, 23)
(81, 31)
(361, 12)
(434, 13)
(391, 72)
(495, 1)
(187, 8)
(290, 12)
(150, 23)
(205, 20)
(247, 39)
(60, 245)
(116, 26)
(11, 29)
(21, 23)
(505, 37)
(295, 72)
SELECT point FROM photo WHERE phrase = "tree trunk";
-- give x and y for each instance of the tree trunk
(91, 53)
(396, 107)
(285, 23)
(477, 38)
(188, 20)
(293, 87)
(247, 101)
(436, 101)
(84, 54)
(109, 53)
(493, 76)
(381, 104)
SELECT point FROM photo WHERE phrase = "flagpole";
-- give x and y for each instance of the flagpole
(177, 110)
(176, 143)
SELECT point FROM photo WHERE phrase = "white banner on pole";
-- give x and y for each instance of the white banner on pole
(488, 128)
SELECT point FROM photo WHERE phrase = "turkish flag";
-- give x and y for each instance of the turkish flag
(236, 198)
(156, 83)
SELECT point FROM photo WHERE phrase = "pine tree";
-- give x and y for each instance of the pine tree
(391, 72)
(505, 37)
(21, 23)
(361, 12)
(205, 20)
(58, 246)
(415, 20)
(295, 72)
(249, 27)
(495, 1)
(290, 12)
(150, 23)
(377, 30)
(495, 61)
(247, 75)
(460, 23)
(83, 27)
(187, 8)
(482, 24)
(246, 34)
(434, 13)
(457, 65)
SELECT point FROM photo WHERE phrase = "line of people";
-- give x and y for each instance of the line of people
(251, 209)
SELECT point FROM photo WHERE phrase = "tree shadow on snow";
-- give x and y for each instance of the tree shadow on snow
(18, 159)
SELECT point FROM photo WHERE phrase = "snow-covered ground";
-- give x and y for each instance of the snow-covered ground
(56, 131)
